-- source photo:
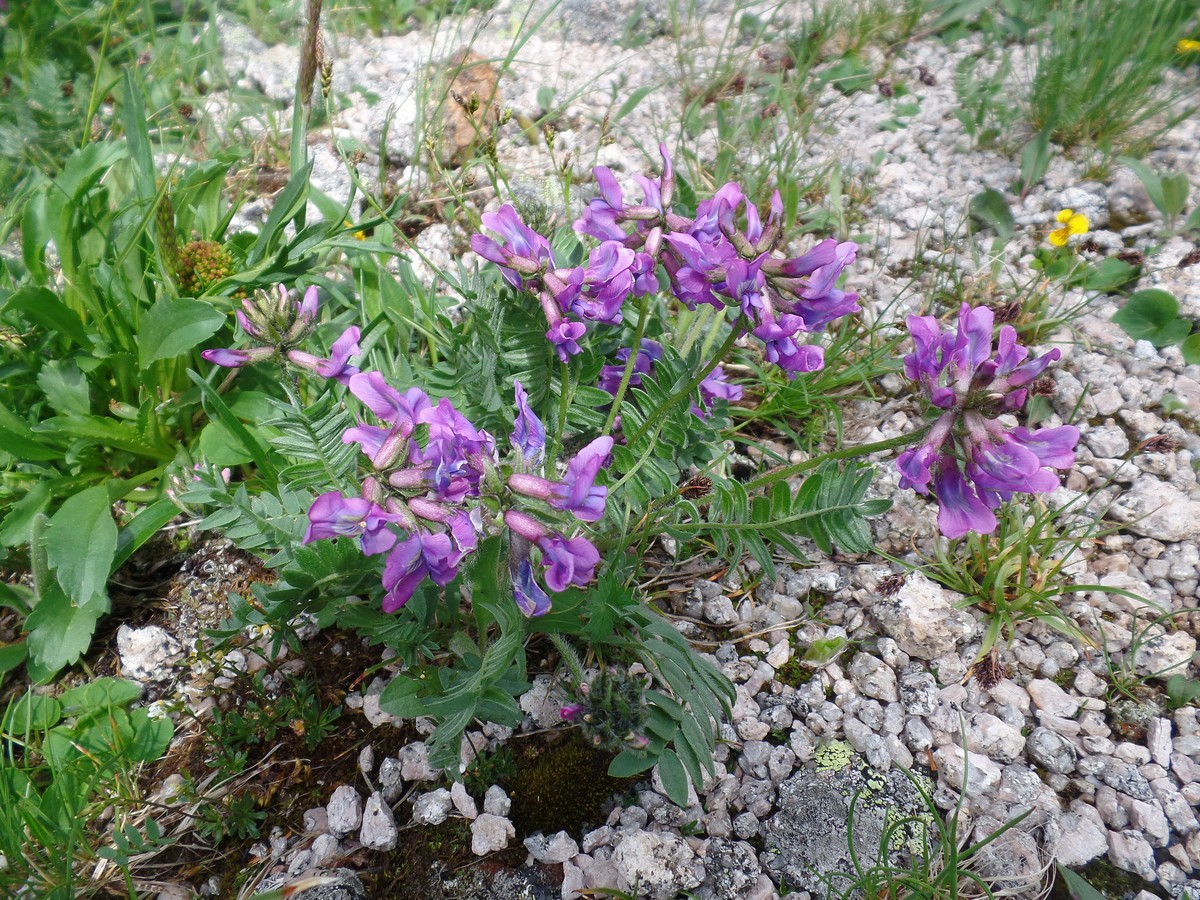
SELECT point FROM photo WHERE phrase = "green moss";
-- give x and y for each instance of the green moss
(564, 786)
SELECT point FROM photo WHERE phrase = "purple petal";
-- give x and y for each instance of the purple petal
(529, 435)
(530, 598)
(959, 508)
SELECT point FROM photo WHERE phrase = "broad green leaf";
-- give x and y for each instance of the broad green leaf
(1035, 160)
(1152, 315)
(33, 712)
(401, 698)
(102, 693)
(17, 524)
(12, 655)
(1191, 350)
(141, 528)
(1175, 193)
(59, 631)
(1107, 275)
(41, 306)
(628, 763)
(174, 326)
(81, 542)
(674, 778)
(991, 209)
(65, 387)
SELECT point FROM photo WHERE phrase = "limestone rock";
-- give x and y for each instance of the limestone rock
(922, 619)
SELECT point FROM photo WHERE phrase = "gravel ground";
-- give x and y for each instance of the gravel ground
(1099, 777)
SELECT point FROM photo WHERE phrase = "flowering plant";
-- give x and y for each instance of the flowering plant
(614, 438)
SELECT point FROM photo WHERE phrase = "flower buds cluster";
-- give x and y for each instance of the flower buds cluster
(277, 323)
(973, 461)
(722, 256)
(431, 498)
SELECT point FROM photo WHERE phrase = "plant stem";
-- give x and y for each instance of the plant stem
(776, 475)
(634, 349)
(657, 414)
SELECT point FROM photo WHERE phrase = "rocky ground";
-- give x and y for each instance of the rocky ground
(1102, 775)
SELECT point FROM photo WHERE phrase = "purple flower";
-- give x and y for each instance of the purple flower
(648, 354)
(568, 561)
(572, 712)
(235, 359)
(333, 515)
(530, 598)
(338, 365)
(529, 435)
(401, 410)
(597, 291)
(713, 387)
(565, 337)
(432, 555)
(577, 493)
(785, 351)
(971, 385)
(525, 252)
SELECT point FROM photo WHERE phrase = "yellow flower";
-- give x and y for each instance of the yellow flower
(1186, 46)
(1072, 223)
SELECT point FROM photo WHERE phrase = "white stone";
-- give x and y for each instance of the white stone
(922, 618)
(414, 763)
(956, 766)
(344, 810)
(660, 864)
(146, 653)
(378, 824)
(433, 807)
(463, 802)
(1052, 699)
(557, 848)
(496, 802)
(1164, 654)
(1157, 509)
(1081, 838)
(994, 738)
(1130, 851)
(490, 833)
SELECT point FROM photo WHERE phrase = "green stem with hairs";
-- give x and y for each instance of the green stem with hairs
(776, 475)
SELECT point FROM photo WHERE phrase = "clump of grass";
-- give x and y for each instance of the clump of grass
(1098, 77)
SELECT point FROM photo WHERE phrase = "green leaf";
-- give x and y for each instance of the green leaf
(1106, 276)
(103, 693)
(401, 698)
(991, 209)
(1193, 221)
(174, 326)
(1152, 315)
(1191, 350)
(81, 543)
(849, 74)
(41, 306)
(628, 763)
(65, 387)
(674, 777)
(1035, 160)
(141, 528)
(1077, 886)
(631, 103)
(59, 631)
(1175, 193)
(33, 712)
(12, 655)
(19, 440)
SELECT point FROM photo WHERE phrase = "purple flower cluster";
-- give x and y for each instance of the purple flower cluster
(722, 256)
(277, 324)
(971, 460)
(432, 498)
